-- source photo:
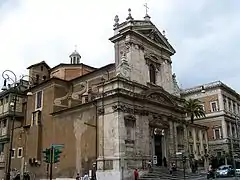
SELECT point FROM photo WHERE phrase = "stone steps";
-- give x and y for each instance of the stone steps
(163, 174)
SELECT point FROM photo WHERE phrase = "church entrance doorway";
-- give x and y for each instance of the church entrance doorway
(158, 149)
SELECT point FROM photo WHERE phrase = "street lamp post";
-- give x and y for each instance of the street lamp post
(9, 75)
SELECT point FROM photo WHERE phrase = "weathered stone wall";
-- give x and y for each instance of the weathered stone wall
(73, 130)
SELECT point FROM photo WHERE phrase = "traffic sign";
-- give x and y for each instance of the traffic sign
(154, 160)
(178, 153)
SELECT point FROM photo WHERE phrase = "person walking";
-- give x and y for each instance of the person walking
(85, 177)
(165, 162)
(78, 177)
(136, 174)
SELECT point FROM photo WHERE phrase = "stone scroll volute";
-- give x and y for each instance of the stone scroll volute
(83, 88)
(59, 101)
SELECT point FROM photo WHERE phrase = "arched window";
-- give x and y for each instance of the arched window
(152, 73)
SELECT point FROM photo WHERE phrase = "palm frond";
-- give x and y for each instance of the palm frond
(193, 108)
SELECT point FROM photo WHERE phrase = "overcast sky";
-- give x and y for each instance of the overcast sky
(205, 34)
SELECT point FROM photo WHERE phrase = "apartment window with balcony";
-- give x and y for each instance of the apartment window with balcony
(39, 100)
(214, 106)
(20, 152)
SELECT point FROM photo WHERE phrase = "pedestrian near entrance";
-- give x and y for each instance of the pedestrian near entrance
(165, 162)
(136, 175)
(78, 176)
(85, 177)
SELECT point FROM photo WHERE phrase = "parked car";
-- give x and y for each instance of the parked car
(225, 171)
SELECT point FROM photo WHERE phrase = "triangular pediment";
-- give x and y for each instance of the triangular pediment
(153, 34)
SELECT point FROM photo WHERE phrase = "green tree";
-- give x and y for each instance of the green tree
(193, 109)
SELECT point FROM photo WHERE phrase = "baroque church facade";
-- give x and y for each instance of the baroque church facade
(115, 118)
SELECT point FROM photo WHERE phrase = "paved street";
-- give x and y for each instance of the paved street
(229, 178)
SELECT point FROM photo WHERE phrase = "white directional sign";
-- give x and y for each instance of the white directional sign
(178, 153)
(154, 160)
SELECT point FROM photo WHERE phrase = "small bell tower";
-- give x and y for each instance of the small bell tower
(75, 57)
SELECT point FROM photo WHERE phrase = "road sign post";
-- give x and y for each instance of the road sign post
(51, 163)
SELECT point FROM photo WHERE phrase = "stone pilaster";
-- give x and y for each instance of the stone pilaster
(224, 129)
(220, 100)
(175, 136)
(171, 143)
(185, 135)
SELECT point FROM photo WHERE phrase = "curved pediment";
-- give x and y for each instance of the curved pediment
(160, 96)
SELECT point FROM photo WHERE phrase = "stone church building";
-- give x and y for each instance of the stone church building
(114, 118)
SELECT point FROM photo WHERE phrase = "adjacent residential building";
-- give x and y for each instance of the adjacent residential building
(7, 114)
(222, 107)
(115, 118)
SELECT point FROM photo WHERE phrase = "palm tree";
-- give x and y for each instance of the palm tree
(193, 109)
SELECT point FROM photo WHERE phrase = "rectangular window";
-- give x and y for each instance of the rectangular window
(191, 149)
(1, 102)
(1, 148)
(217, 133)
(129, 133)
(4, 123)
(38, 102)
(229, 105)
(198, 149)
(225, 103)
(234, 108)
(34, 118)
(203, 136)
(190, 134)
(20, 152)
(233, 132)
(13, 153)
(197, 135)
(214, 106)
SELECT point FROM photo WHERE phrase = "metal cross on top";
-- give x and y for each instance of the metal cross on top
(145, 5)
